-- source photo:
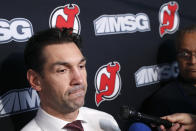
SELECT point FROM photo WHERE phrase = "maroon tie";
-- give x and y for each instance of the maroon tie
(74, 126)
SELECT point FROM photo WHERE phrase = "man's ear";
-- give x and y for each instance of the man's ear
(34, 79)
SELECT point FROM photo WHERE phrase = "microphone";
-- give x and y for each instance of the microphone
(138, 126)
(108, 125)
(126, 113)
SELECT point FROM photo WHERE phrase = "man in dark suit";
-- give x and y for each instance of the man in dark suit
(178, 96)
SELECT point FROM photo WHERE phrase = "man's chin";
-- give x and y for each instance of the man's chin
(77, 104)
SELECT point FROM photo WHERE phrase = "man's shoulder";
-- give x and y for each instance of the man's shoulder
(91, 111)
(171, 86)
(31, 126)
(172, 83)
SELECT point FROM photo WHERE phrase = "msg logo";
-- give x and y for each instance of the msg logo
(17, 101)
(18, 29)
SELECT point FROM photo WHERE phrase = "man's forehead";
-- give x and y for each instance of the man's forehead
(61, 49)
(188, 41)
(63, 54)
(64, 63)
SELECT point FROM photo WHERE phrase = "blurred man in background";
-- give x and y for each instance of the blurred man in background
(178, 96)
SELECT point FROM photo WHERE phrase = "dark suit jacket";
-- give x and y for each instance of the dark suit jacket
(177, 96)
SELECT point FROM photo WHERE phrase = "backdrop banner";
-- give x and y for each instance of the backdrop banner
(129, 46)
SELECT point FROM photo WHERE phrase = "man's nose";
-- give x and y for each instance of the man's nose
(193, 59)
(76, 77)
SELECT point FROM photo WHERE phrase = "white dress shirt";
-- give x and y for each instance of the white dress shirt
(92, 120)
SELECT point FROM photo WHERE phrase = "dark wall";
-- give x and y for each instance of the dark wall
(123, 35)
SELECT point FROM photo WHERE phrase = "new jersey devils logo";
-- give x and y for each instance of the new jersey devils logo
(66, 16)
(107, 82)
(168, 18)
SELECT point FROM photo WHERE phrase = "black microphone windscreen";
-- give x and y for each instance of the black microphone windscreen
(124, 112)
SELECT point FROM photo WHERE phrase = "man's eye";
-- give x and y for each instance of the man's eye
(185, 54)
(82, 66)
(61, 71)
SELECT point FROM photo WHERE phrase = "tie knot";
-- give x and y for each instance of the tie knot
(74, 126)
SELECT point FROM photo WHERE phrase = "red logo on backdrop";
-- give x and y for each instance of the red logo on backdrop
(107, 82)
(168, 18)
(66, 16)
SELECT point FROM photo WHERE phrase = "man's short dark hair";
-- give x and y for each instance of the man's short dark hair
(182, 32)
(33, 56)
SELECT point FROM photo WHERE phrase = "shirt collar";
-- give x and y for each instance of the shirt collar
(52, 123)
(81, 116)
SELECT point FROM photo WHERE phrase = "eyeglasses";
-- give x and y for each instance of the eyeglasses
(186, 55)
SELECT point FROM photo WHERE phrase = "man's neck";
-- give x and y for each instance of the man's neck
(66, 116)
